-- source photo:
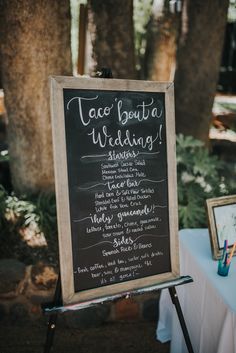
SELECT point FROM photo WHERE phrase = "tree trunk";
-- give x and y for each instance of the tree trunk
(162, 35)
(35, 44)
(198, 62)
(0, 70)
(110, 24)
(1, 36)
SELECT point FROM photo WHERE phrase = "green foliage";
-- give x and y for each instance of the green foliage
(200, 176)
(28, 227)
(45, 208)
(4, 156)
(20, 211)
(3, 195)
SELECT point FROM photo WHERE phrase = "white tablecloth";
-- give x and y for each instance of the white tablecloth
(208, 304)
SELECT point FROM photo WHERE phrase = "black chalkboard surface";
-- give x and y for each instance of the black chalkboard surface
(116, 187)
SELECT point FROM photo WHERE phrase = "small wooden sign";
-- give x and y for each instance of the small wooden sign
(115, 172)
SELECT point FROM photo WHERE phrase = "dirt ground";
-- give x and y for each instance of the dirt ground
(127, 337)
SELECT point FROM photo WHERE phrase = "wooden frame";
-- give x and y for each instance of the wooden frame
(222, 223)
(62, 192)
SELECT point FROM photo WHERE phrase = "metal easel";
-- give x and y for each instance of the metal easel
(57, 307)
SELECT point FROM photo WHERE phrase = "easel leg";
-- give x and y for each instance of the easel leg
(50, 333)
(53, 318)
(175, 301)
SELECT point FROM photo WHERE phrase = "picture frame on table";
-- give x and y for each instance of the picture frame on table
(222, 223)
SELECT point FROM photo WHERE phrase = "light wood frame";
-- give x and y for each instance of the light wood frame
(61, 179)
(216, 238)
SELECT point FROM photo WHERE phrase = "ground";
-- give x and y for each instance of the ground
(119, 337)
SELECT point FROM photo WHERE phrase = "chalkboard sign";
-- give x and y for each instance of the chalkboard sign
(115, 171)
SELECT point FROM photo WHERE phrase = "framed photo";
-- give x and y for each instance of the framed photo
(222, 223)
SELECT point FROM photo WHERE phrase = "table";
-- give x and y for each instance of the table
(208, 304)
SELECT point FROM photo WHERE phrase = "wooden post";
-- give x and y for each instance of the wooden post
(82, 38)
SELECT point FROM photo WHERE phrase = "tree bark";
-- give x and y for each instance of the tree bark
(162, 36)
(35, 44)
(110, 24)
(1, 37)
(198, 63)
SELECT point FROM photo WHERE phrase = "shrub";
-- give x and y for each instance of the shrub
(200, 176)
(28, 229)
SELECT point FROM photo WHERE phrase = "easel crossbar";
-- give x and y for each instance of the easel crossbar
(51, 308)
